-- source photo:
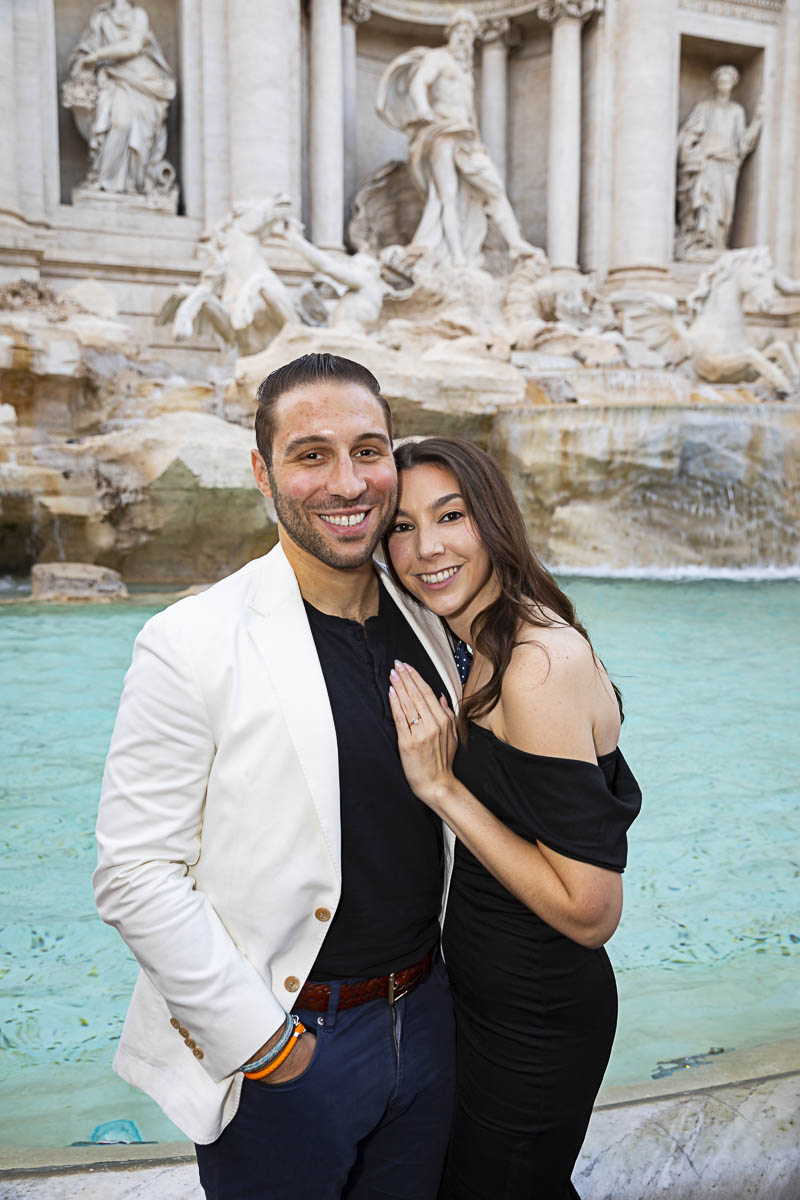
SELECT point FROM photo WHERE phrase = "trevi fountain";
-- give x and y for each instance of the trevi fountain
(565, 229)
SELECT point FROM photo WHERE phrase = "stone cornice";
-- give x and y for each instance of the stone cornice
(578, 10)
(763, 12)
(437, 12)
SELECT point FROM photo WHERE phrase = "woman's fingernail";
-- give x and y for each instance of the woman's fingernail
(400, 666)
(393, 673)
(392, 692)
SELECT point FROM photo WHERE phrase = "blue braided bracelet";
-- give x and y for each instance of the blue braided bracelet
(288, 1030)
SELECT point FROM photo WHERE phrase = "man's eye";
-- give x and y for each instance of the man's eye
(312, 456)
(367, 451)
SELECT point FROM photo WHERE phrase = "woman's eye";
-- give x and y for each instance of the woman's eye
(453, 515)
(400, 527)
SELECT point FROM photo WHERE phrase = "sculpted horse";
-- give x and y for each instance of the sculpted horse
(716, 340)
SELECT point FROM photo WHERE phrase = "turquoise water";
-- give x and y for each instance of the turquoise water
(708, 952)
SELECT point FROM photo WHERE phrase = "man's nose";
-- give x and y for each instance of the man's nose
(345, 480)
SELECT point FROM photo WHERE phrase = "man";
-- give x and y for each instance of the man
(428, 93)
(259, 848)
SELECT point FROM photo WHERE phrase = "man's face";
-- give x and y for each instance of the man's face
(332, 478)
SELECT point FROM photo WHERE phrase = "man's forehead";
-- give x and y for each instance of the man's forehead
(320, 407)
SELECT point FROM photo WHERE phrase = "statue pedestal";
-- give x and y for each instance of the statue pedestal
(89, 197)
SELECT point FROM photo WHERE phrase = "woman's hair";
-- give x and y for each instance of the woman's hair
(525, 587)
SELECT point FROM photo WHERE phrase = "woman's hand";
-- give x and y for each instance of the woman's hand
(426, 735)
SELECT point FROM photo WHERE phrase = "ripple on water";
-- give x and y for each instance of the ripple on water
(708, 952)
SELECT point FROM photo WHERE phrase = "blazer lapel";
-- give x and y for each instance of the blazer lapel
(279, 627)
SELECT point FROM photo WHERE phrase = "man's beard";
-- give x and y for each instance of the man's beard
(299, 525)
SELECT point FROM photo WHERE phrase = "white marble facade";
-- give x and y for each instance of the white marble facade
(579, 103)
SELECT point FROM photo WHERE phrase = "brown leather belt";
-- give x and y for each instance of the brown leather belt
(316, 996)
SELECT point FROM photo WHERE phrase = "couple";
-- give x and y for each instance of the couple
(276, 827)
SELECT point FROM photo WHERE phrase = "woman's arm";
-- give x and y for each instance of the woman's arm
(546, 709)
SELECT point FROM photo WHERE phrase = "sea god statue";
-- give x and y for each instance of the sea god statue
(712, 145)
(119, 89)
(428, 93)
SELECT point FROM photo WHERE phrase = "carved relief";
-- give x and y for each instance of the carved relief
(357, 11)
(580, 10)
(763, 12)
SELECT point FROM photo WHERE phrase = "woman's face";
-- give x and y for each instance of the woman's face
(435, 548)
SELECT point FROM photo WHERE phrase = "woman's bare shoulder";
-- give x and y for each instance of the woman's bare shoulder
(556, 697)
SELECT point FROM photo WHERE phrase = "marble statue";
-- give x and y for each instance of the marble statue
(354, 284)
(429, 94)
(713, 143)
(239, 297)
(560, 314)
(716, 342)
(119, 89)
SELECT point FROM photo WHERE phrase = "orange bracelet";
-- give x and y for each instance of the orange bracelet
(298, 1032)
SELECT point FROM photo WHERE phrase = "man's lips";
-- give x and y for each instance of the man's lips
(343, 523)
(435, 581)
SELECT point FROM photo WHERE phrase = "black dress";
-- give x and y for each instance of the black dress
(535, 1012)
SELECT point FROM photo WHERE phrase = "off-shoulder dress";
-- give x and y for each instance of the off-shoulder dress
(536, 1012)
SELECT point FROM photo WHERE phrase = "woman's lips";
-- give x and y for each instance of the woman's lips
(431, 584)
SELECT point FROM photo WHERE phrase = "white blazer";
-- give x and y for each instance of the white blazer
(219, 831)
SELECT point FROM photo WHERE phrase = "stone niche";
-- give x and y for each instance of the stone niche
(381, 40)
(71, 18)
(699, 57)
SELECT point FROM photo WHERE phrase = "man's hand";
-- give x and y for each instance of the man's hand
(294, 1065)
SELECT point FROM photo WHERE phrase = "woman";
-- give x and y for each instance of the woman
(531, 782)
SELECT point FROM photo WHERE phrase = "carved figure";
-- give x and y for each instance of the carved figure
(239, 296)
(712, 145)
(560, 315)
(355, 284)
(429, 94)
(119, 90)
(716, 342)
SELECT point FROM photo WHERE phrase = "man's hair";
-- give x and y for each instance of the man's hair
(310, 368)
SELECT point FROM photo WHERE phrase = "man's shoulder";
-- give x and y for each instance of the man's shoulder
(216, 608)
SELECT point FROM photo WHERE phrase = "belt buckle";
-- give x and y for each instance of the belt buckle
(395, 994)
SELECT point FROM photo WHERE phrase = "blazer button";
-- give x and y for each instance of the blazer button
(197, 1052)
(323, 914)
(175, 1023)
(183, 1032)
(190, 1042)
(292, 984)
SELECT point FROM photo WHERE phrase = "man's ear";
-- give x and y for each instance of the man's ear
(260, 473)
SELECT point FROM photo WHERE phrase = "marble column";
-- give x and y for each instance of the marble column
(494, 90)
(564, 145)
(645, 129)
(326, 135)
(9, 200)
(216, 141)
(354, 13)
(263, 60)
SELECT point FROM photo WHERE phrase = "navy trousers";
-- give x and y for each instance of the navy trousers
(369, 1118)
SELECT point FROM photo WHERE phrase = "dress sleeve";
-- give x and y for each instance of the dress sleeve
(580, 809)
